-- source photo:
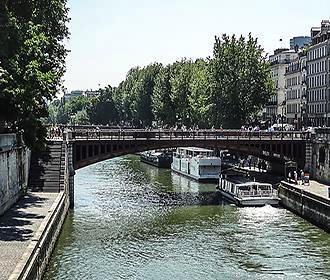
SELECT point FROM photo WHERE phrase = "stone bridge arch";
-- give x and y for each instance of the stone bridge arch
(54, 169)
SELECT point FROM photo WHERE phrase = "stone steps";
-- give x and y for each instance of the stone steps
(47, 169)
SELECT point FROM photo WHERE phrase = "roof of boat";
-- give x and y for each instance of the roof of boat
(237, 179)
(195, 149)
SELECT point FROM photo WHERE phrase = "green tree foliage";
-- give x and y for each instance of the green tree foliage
(102, 109)
(32, 56)
(141, 95)
(75, 110)
(228, 89)
(163, 107)
(180, 90)
(240, 81)
(198, 98)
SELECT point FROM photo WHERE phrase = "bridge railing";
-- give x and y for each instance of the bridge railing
(171, 134)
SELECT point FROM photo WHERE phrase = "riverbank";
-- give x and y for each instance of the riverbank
(28, 232)
(308, 201)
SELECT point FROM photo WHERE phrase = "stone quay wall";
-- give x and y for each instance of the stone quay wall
(35, 259)
(309, 206)
(14, 170)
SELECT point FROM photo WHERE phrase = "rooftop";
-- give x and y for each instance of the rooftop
(195, 149)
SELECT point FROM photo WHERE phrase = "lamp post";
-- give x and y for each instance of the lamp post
(303, 111)
(282, 116)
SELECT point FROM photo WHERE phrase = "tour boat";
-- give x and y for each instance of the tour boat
(246, 192)
(160, 159)
(197, 163)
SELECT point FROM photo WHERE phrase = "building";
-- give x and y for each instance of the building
(92, 93)
(295, 93)
(73, 93)
(279, 61)
(318, 67)
(299, 42)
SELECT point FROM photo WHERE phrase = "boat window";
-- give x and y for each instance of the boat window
(244, 188)
(264, 187)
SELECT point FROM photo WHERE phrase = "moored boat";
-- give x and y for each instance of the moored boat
(161, 159)
(246, 192)
(197, 163)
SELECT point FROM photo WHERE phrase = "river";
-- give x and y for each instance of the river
(134, 221)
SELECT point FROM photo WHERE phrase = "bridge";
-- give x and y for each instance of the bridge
(53, 170)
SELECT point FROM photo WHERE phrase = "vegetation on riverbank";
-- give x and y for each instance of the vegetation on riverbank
(32, 63)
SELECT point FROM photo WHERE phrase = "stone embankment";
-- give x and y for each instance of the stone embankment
(14, 170)
(308, 201)
(29, 229)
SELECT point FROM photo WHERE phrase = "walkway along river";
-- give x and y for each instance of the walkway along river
(134, 221)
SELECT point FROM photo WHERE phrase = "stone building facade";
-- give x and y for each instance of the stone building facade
(279, 61)
(319, 165)
(295, 94)
(318, 67)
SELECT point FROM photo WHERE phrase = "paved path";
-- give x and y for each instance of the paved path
(314, 187)
(17, 227)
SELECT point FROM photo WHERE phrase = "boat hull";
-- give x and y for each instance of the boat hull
(199, 179)
(251, 201)
(160, 163)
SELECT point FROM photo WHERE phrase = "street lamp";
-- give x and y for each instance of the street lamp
(282, 117)
(303, 111)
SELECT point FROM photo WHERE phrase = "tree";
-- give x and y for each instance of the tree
(32, 55)
(141, 94)
(162, 106)
(198, 99)
(240, 81)
(180, 90)
(103, 109)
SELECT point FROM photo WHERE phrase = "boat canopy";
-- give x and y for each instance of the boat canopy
(194, 151)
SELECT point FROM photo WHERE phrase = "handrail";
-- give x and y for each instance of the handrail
(179, 134)
(97, 133)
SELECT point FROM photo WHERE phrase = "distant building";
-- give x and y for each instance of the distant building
(299, 42)
(275, 110)
(318, 69)
(92, 93)
(73, 93)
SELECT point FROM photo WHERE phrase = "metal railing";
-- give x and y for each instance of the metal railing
(259, 193)
(169, 134)
(104, 133)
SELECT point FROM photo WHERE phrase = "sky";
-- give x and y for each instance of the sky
(109, 37)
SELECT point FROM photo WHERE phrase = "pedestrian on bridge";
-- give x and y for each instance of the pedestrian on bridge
(302, 177)
(295, 174)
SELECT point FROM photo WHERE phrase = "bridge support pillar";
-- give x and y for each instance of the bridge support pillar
(71, 171)
(308, 156)
(71, 188)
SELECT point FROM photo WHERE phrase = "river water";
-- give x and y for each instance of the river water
(134, 221)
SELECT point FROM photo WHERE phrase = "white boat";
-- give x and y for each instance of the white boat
(246, 192)
(197, 163)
